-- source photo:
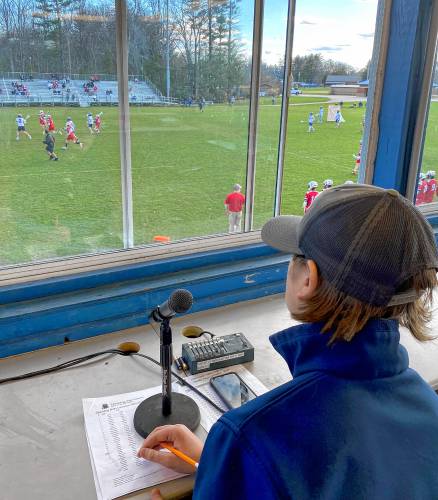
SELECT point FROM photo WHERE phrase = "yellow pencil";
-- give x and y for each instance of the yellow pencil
(180, 454)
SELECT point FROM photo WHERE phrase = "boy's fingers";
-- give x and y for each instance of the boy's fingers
(156, 494)
(159, 457)
(158, 435)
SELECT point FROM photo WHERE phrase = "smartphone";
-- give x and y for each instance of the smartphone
(232, 390)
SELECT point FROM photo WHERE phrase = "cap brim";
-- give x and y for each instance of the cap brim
(282, 233)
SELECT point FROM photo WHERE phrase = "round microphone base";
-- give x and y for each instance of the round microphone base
(148, 414)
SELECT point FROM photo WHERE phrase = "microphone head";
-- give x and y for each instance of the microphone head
(181, 300)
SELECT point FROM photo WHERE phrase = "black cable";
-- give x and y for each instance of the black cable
(76, 361)
(66, 364)
(211, 334)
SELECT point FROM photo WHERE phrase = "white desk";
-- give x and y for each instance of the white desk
(43, 449)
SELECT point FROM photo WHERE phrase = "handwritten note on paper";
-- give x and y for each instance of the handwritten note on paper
(113, 444)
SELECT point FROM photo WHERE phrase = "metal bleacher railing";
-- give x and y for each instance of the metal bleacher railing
(36, 89)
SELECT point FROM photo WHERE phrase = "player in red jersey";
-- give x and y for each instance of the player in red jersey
(421, 189)
(71, 136)
(50, 124)
(42, 121)
(98, 122)
(311, 194)
(430, 195)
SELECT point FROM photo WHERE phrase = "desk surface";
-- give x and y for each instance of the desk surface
(44, 454)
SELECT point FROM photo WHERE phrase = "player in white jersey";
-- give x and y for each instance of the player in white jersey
(71, 136)
(90, 122)
(21, 127)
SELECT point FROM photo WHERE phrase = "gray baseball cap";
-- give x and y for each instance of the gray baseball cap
(236, 187)
(367, 241)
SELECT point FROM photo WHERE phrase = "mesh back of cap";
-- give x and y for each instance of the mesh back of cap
(367, 245)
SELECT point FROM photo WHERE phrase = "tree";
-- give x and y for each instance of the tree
(49, 17)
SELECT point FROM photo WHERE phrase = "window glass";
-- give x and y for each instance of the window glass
(189, 85)
(332, 48)
(57, 65)
(426, 193)
(271, 82)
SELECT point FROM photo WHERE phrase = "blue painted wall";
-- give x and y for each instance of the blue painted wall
(409, 31)
(59, 310)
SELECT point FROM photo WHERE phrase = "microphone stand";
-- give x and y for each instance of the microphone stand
(157, 410)
(166, 364)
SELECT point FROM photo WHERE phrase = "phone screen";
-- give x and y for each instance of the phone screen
(232, 390)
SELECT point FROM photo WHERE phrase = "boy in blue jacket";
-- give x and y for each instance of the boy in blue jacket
(355, 422)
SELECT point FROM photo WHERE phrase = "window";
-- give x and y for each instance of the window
(57, 64)
(332, 49)
(189, 96)
(426, 192)
(269, 115)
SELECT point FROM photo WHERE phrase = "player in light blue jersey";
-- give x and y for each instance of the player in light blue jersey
(311, 120)
(320, 114)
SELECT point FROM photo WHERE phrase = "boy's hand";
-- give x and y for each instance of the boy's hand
(181, 438)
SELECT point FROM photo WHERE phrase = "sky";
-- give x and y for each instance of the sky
(339, 29)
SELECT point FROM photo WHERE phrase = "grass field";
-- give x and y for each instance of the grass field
(183, 164)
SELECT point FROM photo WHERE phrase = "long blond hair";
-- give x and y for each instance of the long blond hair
(346, 316)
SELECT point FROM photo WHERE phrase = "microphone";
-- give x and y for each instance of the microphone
(180, 301)
(158, 410)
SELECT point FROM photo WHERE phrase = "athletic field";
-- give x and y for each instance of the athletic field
(184, 163)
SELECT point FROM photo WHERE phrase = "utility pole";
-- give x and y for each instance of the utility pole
(167, 52)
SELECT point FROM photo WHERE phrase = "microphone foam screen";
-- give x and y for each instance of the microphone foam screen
(180, 300)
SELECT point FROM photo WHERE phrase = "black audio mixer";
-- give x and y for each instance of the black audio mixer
(217, 352)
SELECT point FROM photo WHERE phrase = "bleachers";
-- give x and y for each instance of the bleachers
(38, 92)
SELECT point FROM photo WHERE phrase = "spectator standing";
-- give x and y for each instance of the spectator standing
(233, 208)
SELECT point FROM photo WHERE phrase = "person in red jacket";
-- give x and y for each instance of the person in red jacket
(430, 195)
(233, 208)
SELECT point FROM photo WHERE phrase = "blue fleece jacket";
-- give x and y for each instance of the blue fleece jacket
(354, 423)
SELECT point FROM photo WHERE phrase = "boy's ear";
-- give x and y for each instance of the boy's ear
(311, 282)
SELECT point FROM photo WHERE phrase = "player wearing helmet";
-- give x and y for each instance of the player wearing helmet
(311, 120)
(90, 122)
(42, 120)
(431, 192)
(50, 124)
(328, 183)
(71, 136)
(311, 194)
(421, 189)
(21, 127)
(98, 122)
(357, 158)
